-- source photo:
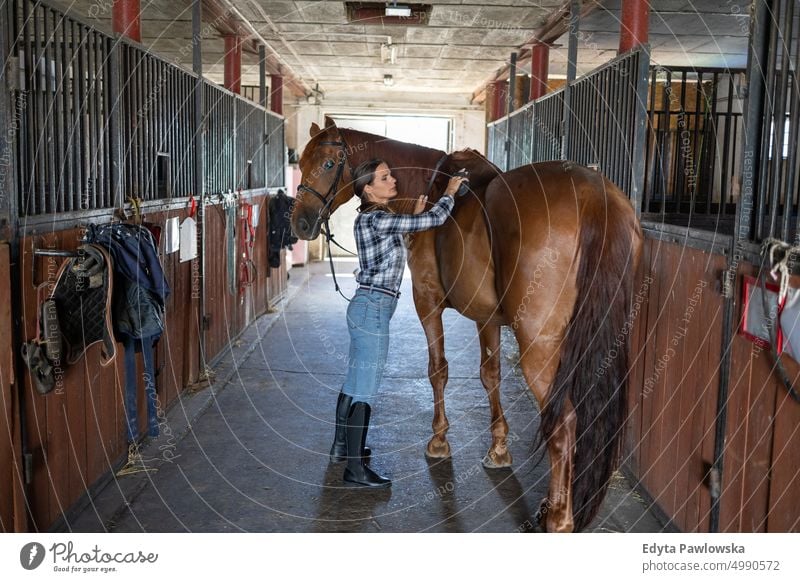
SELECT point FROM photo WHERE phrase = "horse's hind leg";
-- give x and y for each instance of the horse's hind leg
(498, 455)
(539, 363)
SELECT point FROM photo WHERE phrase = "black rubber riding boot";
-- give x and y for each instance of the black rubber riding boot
(357, 471)
(339, 448)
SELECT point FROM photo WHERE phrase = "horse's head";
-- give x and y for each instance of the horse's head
(325, 184)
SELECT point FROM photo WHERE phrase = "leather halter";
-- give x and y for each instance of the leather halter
(328, 198)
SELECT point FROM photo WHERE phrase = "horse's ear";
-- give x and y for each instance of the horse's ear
(314, 129)
(329, 122)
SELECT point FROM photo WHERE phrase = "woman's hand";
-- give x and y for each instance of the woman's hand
(420, 205)
(453, 184)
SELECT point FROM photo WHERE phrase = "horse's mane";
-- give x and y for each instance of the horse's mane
(411, 164)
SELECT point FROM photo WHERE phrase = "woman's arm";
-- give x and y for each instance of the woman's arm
(386, 223)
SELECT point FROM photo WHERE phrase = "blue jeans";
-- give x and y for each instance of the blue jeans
(368, 317)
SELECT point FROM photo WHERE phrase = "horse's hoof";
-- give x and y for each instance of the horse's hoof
(438, 449)
(541, 514)
(494, 461)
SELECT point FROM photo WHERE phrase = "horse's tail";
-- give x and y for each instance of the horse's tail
(594, 357)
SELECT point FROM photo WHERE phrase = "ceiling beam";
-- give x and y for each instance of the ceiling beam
(556, 25)
(228, 20)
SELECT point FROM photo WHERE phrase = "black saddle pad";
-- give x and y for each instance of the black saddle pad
(83, 302)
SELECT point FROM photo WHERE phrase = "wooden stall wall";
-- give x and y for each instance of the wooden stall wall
(675, 355)
(76, 433)
(230, 310)
(761, 478)
(12, 510)
(673, 393)
(220, 302)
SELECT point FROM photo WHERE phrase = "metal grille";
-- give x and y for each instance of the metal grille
(547, 132)
(63, 104)
(220, 139)
(498, 142)
(100, 119)
(157, 112)
(694, 126)
(250, 145)
(600, 121)
(778, 177)
(275, 151)
(520, 132)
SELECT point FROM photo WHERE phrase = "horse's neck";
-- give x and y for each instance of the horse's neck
(365, 146)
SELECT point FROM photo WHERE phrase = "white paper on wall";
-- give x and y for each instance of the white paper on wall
(172, 236)
(188, 240)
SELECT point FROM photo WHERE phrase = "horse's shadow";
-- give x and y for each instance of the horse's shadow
(342, 508)
(504, 483)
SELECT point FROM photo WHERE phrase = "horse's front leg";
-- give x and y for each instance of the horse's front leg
(498, 455)
(430, 314)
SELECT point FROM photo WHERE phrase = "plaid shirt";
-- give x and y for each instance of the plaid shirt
(379, 241)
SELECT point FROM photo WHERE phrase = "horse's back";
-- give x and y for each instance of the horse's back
(536, 213)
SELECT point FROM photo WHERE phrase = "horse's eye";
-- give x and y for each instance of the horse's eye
(328, 164)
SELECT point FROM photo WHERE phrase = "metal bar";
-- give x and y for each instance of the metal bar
(93, 117)
(753, 109)
(709, 149)
(669, 183)
(650, 144)
(58, 114)
(100, 90)
(38, 96)
(793, 174)
(512, 79)
(572, 63)
(10, 117)
(696, 135)
(631, 97)
(47, 111)
(116, 134)
(726, 153)
(623, 118)
(780, 178)
(83, 133)
(680, 184)
(199, 124)
(640, 130)
(67, 84)
(766, 226)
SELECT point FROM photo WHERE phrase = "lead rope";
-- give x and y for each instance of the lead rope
(326, 230)
(772, 248)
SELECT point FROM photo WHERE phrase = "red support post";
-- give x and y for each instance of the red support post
(233, 63)
(540, 65)
(634, 25)
(498, 93)
(125, 19)
(276, 94)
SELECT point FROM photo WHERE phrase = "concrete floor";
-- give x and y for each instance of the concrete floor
(249, 453)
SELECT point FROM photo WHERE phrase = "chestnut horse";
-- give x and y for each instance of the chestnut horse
(550, 250)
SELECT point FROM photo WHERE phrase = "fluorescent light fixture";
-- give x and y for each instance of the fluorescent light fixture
(388, 80)
(394, 9)
(388, 53)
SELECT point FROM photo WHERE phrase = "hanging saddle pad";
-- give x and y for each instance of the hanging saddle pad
(82, 297)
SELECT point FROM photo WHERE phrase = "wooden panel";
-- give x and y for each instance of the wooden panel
(759, 481)
(785, 471)
(674, 382)
(220, 303)
(12, 515)
(77, 432)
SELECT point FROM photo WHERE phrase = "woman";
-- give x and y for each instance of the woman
(382, 258)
